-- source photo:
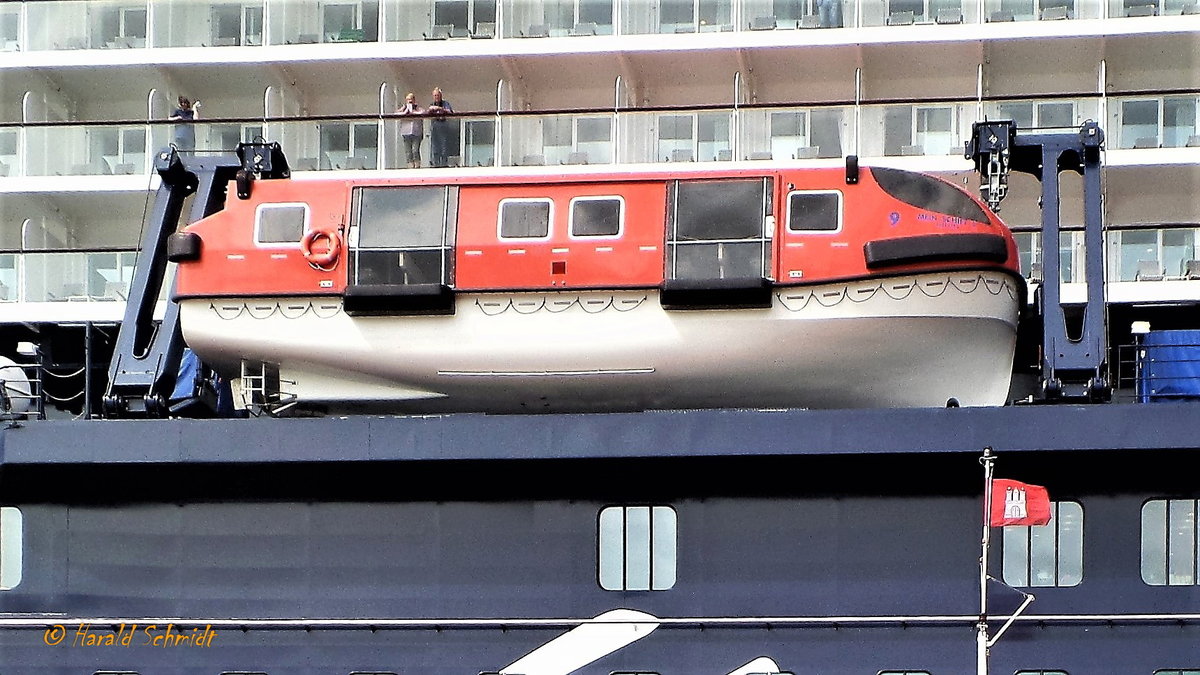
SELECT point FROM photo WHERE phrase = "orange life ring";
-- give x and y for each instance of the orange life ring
(331, 253)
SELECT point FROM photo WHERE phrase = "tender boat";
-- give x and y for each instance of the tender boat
(595, 290)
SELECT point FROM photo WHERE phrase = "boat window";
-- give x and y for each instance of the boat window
(276, 224)
(403, 235)
(525, 218)
(720, 209)
(1048, 555)
(904, 672)
(12, 546)
(929, 193)
(637, 548)
(1178, 671)
(815, 211)
(392, 217)
(597, 216)
(719, 229)
(1044, 672)
(1169, 537)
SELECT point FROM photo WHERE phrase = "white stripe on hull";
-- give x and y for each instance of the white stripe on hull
(899, 342)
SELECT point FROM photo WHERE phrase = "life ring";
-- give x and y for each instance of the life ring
(333, 250)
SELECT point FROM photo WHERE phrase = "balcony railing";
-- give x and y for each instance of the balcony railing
(1142, 254)
(135, 24)
(66, 276)
(928, 129)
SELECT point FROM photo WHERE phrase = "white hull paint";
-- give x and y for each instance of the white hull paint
(913, 341)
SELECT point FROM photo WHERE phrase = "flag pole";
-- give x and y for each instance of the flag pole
(981, 636)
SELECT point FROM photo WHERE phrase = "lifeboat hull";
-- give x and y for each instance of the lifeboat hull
(912, 341)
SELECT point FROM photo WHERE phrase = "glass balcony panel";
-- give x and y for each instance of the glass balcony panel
(1178, 247)
(9, 284)
(546, 18)
(406, 21)
(1137, 122)
(907, 130)
(714, 139)
(58, 25)
(55, 277)
(1134, 246)
(10, 28)
(219, 23)
(1179, 121)
(10, 152)
(1027, 249)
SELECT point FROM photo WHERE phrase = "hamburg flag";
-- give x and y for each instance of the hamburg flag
(1016, 503)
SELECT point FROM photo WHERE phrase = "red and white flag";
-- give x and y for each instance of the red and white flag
(1017, 503)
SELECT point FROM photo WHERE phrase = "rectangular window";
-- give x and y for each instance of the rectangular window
(1041, 672)
(597, 216)
(903, 672)
(226, 25)
(637, 546)
(525, 218)
(815, 211)
(133, 23)
(1048, 555)
(12, 544)
(1169, 537)
(1178, 671)
(280, 224)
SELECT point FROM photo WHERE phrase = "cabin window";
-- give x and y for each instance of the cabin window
(1178, 671)
(525, 218)
(1041, 672)
(1048, 555)
(637, 548)
(1169, 538)
(12, 544)
(276, 224)
(720, 229)
(815, 211)
(597, 216)
(403, 235)
(929, 193)
(904, 672)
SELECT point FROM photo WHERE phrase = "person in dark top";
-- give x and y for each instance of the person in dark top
(443, 133)
(185, 133)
